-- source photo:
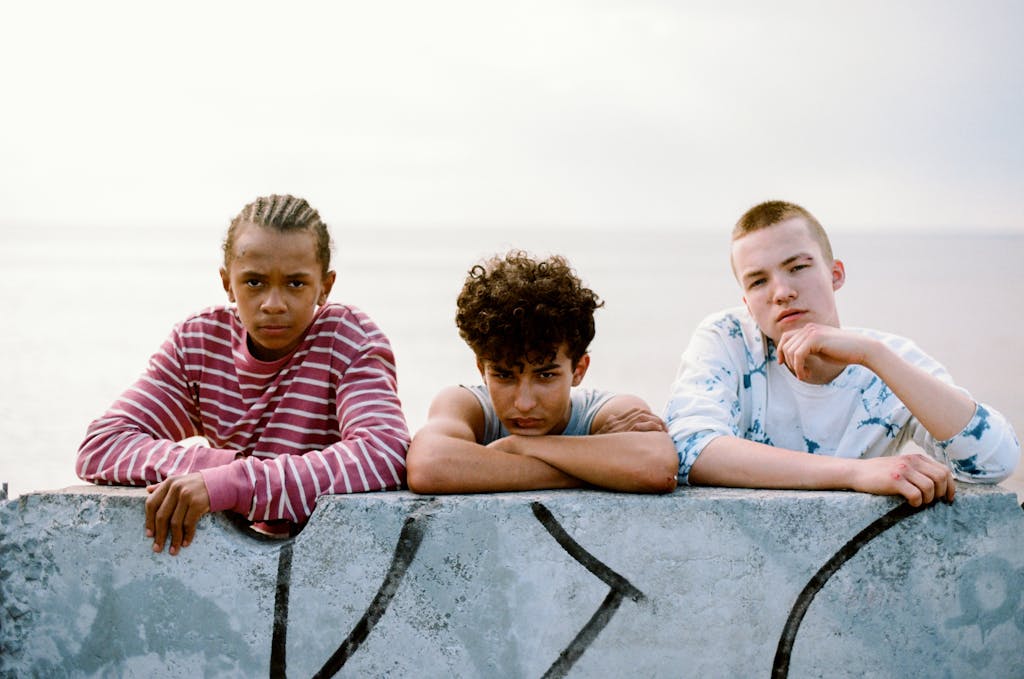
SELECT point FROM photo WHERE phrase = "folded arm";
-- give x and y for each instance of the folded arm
(978, 442)
(137, 441)
(628, 449)
(444, 456)
(704, 417)
(940, 407)
(370, 455)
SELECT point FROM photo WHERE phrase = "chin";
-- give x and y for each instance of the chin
(528, 432)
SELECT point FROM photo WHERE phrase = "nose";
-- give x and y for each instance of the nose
(782, 292)
(524, 399)
(273, 302)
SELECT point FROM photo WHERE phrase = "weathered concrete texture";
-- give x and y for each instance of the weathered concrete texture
(703, 582)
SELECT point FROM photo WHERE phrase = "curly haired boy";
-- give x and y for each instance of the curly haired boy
(529, 323)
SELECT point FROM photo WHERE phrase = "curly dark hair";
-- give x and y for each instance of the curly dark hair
(515, 308)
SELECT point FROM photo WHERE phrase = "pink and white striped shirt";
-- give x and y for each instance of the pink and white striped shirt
(324, 419)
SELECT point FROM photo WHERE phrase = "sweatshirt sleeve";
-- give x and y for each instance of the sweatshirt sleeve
(704, 403)
(986, 451)
(370, 454)
(137, 440)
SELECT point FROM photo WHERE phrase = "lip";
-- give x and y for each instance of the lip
(273, 330)
(790, 315)
(527, 423)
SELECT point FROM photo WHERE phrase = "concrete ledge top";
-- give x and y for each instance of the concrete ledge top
(683, 494)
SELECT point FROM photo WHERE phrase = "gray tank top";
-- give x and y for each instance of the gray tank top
(584, 402)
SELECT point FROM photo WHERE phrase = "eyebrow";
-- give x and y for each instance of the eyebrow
(260, 274)
(546, 368)
(799, 255)
(786, 262)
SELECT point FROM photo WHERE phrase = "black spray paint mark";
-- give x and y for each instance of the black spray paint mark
(405, 551)
(620, 588)
(568, 657)
(780, 669)
(279, 641)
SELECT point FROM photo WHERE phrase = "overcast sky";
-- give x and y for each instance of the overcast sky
(612, 114)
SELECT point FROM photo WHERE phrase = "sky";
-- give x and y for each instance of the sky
(604, 114)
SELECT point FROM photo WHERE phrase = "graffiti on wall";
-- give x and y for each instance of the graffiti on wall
(405, 552)
(991, 593)
(986, 596)
(976, 610)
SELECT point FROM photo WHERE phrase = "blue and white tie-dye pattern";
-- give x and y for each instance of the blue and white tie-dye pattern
(729, 384)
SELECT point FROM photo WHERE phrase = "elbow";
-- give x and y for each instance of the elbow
(82, 467)
(995, 467)
(661, 468)
(659, 484)
(417, 477)
(421, 471)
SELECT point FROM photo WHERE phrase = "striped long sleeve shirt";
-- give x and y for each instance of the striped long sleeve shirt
(324, 419)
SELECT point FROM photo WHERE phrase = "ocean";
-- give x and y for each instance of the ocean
(85, 307)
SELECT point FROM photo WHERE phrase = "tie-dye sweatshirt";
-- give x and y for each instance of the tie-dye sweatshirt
(324, 419)
(730, 384)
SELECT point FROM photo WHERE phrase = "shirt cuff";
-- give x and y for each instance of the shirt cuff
(207, 458)
(975, 429)
(689, 449)
(228, 487)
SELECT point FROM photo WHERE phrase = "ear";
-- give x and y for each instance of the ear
(480, 366)
(838, 274)
(225, 280)
(580, 370)
(326, 285)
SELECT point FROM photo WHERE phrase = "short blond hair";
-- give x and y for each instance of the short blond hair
(772, 212)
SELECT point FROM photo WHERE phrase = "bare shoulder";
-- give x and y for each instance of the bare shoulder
(455, 411)
(621, 404)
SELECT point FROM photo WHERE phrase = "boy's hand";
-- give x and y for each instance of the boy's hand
(917, 477)
(176, 504)
(818, 353)
(633, 419)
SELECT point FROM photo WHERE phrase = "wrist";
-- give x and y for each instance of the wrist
(823, 472)
(848, 477)
(876, 355)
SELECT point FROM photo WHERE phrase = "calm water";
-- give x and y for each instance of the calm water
(86, 307)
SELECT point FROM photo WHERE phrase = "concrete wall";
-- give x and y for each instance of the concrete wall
(701, 583)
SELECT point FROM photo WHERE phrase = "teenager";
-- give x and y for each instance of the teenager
(529, 322)
(295, 396)
(779, 395)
